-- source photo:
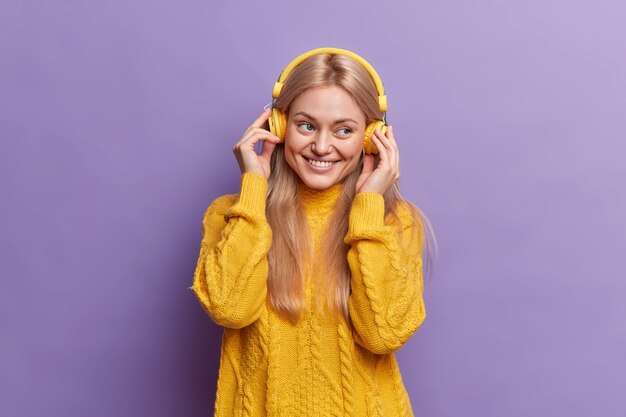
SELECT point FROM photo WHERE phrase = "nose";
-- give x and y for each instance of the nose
(322, 144)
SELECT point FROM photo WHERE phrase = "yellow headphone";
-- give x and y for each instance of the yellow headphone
(278, 119)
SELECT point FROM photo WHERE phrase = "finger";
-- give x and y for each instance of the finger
(381, 139)
(390, 134)
(262, 118)
(259, 122)
(393, 158)
(267, 149)
(254, 136)
(393, 147)
(264, 135)
(382, 150)
(389, 159)
(391, 138)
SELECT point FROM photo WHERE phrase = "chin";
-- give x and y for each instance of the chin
(318, 183)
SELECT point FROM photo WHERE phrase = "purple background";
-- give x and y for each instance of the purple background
(117, 123)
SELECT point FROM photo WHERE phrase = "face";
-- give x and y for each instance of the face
(324, 138)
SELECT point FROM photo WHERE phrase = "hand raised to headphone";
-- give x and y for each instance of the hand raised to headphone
(388, 169)
(247, 158)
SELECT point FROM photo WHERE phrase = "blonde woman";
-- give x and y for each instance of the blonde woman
(314, 268)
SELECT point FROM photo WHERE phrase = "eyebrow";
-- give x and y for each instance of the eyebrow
(346, 119)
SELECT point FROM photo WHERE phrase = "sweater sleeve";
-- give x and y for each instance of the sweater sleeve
(230, 279)
(386, 305)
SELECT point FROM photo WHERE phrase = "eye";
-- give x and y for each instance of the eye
(347, 131)
(305, 124)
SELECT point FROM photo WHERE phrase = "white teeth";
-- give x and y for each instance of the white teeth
(320, 164)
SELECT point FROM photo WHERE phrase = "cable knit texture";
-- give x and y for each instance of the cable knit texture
(322, 366)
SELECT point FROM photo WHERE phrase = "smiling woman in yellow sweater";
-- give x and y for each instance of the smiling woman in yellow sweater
(314, 268)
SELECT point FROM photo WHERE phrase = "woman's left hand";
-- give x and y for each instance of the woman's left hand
(388, 169)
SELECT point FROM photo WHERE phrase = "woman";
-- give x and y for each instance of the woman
(314, 269)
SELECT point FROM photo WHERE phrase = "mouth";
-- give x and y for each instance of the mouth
(319, 163)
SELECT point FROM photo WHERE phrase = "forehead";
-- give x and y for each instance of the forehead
(327, 104)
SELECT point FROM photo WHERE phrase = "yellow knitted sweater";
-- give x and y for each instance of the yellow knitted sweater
(321, 366)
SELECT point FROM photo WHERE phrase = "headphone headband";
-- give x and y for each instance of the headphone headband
(382, 98)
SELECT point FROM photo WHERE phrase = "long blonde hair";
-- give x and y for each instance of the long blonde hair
(290, 254)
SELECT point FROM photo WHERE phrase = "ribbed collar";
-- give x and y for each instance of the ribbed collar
(319, 202)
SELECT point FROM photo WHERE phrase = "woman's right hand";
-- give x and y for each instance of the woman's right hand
(247, 158)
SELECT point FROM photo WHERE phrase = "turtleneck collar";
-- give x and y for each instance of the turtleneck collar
(319, 201)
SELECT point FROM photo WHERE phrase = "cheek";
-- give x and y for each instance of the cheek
(289, 154)
(291, 150)
(355, 149)
(353, 154)
(293, 139)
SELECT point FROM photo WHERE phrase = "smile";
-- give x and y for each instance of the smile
(321, 164)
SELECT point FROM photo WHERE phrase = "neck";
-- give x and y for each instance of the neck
(323, 200)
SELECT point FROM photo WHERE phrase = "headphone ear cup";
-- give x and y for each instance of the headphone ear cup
(278, 124)
(368, 144)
